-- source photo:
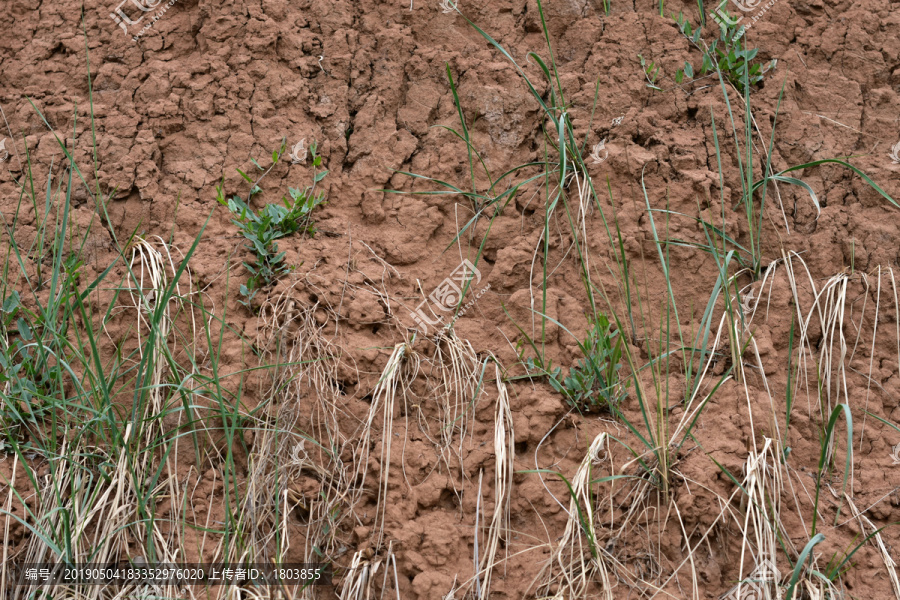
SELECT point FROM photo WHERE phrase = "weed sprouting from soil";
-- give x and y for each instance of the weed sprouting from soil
(726, 54)
(593, 383)
(263, 230)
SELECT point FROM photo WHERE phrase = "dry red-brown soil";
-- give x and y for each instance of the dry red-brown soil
(213, 85)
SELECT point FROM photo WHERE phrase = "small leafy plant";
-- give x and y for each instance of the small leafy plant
(263, 230)
(593, 383)
(726, 51)
(651, 72)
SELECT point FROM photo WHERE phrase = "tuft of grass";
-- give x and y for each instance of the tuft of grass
(505, 458)
(100, 417)
(568, 572)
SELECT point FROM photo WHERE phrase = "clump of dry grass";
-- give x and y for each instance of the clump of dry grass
(302, 362)
(578, 559)
(866, 526)
(151, 268)
(504, 464)
(761, 528)
(401, 368)
(453, 379)
(359, 582)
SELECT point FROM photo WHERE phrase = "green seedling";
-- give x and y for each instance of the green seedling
(263, 230)
(651, 72)
(727, 53)
(593, 383)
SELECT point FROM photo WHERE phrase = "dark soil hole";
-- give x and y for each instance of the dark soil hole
(448, 500)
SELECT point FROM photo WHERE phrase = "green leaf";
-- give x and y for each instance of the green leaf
(688, 70)
(320, 176)
(679, 75)
(24, 329)
(11, 303)
(801, 560)
(244, 175)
